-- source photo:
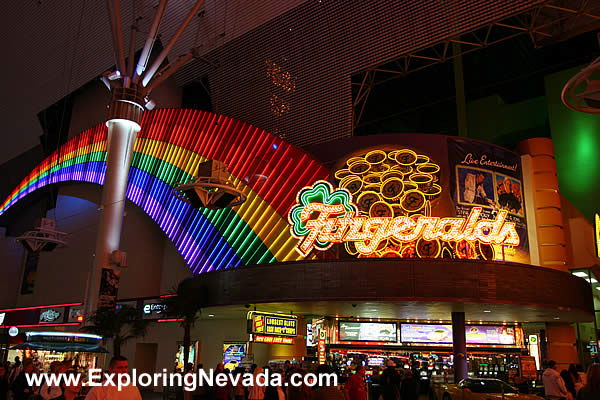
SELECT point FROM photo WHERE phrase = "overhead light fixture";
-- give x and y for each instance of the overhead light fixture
(211, 315)
(581, 274)
(487, 311)
(556, 317)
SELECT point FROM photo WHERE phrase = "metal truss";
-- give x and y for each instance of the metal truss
(549, 22)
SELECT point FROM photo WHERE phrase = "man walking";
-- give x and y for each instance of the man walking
(554, 386)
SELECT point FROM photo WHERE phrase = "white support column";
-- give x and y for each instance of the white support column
(122, 134)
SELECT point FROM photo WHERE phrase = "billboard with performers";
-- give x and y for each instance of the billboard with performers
(490, 178)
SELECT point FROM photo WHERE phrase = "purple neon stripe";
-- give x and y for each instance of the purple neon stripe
(209, 236)
(186, 243)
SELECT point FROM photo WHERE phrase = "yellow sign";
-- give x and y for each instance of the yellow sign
(332, 223)
(597, 234)
(382, 208)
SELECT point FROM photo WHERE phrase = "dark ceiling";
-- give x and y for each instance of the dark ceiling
(514, 70)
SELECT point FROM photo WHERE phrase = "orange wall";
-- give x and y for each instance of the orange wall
(562, 346)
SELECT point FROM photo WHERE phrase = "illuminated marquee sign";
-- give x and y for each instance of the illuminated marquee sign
(324, 216)
(273, 324)
(597, 233)
(273, 339)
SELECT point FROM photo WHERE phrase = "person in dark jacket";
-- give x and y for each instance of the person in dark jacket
(270, 390)
(390, 382)
(21, 388)
(591, 390)
(569, 384)
(408, 388)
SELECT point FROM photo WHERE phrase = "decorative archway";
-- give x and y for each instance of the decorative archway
(169, 147)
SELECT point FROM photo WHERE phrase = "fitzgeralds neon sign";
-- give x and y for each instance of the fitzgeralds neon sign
(324, 216)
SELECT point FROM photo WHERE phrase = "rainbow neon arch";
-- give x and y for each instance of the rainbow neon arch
(169, 147)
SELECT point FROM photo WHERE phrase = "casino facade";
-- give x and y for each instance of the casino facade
(443, 252)
(371, 249)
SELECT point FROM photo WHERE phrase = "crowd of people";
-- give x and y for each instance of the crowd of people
(568, 384)
(14, 385)
(260, 390)
(391, 384)
(571, 383)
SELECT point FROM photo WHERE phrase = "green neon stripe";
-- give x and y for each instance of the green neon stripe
(241, 237)
(89, 157)
(245, 242)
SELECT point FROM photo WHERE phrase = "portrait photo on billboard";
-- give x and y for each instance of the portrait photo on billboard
(508, 192)
(475, 187)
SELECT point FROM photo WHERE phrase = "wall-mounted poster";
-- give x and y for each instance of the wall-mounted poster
(109, 286)
(490, 177)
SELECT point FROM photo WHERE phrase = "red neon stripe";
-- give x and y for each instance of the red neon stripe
(168, 295)
(246, 149)
(171, 320)
(38, 307)
(40, 325)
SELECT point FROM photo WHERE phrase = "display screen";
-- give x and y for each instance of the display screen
(233, 354)
(475, 334)
(414, 333)
(478, 334)
(368, 331)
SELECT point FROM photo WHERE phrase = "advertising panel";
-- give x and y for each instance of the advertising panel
(273, 339)
(270, 324)
(368, 331)
(154, 309)
(310, 340)
(488, 177)
(233, 353)
(475, 334)
(414, 333)
(179, 364)
(75, 314)
(528, 367)
(597, 234)
(479, 334)
(52, 315)
(321, 348)
(109, 286)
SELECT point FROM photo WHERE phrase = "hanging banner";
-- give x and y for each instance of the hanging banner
(109, 286)
(489, 178)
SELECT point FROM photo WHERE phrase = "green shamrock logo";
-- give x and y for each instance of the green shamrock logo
(320, 192)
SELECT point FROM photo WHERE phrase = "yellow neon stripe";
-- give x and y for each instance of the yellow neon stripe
(270, 227)
(90, 148)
